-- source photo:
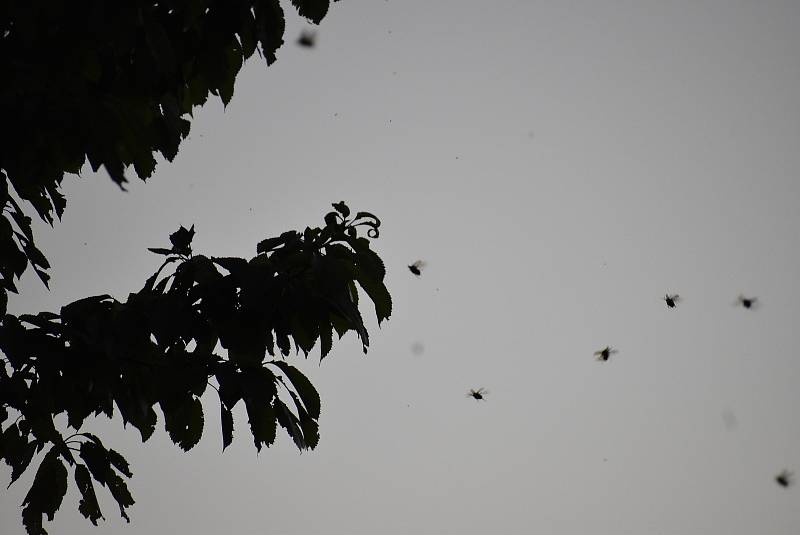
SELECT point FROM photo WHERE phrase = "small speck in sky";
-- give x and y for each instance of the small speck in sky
(729, 419)
(416, 267)
(307, 39)
(784, 479)
(671, 300)
(478, 394)
(747, 302)
(605, 353)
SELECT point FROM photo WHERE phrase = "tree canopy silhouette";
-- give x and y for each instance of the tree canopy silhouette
(160, 348)
(116, 84)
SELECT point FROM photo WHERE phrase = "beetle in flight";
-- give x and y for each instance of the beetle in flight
(478, 394)
(747, 302)
(671, 300)
(605, 353)
(307, 39)
(784, 479)
(416, 267)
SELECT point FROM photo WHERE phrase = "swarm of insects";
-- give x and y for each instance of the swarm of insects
(605, 353)
(478, 394)
(747, 302)
(784, 479)
(416, 267)
(307, 39)
(671, 300)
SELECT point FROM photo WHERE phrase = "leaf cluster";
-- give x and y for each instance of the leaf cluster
(113, 83)
(160, 349)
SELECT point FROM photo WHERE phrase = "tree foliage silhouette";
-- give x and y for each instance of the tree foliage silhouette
(159, 348)
(116, 84)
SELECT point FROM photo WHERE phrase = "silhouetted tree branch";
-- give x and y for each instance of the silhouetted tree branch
(161, 348)
(114, 83)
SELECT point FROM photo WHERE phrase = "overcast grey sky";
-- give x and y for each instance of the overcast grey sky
(561, 166)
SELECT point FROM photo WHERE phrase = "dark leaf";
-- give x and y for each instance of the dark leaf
(290, 423)
(271, 25)
(231, 265)
(159, 250)
(99, 462)
(308, 394)
(269, 244)
(88, 505)
(119, 462)
(308, 425)
(22, 221)
(119, 490)
(227, 426)
(44, 277)
(43, 320)
(96, 459)
(181, 240)
(379, 295)
(325, 337)
(36, 257)
(332, 219)
(184, 423)
(46, 493)
(314, 10)
(56, 198)
(272, 243)
(20, 463)
(262, 423)
(341, 207)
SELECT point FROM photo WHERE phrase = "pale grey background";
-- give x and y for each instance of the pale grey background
(560, 165)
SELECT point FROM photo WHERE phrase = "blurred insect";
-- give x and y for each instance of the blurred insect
(605, 353)
(747, 302)
(671, 300)
(784, 479)
(416, 267)
(307, 39)
(478, 394)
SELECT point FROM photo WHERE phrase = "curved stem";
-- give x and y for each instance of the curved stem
(209, 383)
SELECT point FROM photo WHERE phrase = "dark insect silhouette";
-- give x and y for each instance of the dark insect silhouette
(784, 479)
(307, 39)
(416, 267)
(671, 300)
(478, 394)
(747, 302)
(605, 353)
